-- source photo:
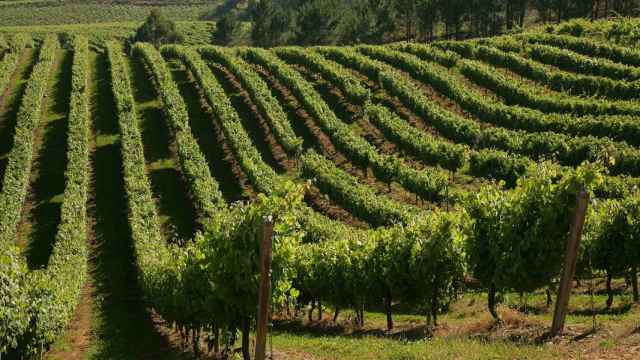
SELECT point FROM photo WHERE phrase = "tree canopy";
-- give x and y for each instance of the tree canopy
(319, 22)
(158, 30)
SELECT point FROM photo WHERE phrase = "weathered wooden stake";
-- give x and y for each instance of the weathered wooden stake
(264, 295)
(573, 245)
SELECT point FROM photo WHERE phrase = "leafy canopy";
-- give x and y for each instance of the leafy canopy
(158, 30)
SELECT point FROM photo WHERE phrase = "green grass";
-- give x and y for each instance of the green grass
(371, 347)
(466, 330)
(23, 2)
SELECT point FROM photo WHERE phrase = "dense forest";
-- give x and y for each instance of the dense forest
(312, 22)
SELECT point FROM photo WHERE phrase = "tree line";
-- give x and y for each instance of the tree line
(325, 22)
(269, 23)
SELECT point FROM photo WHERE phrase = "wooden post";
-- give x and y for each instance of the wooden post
(573, 245)
(264, 295)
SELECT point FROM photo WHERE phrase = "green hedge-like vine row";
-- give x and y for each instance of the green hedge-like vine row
(350, 86)
(14, 296)
(20, 41)
(496, 230)
(66, 271)
(514, 91)
(18, 285)
(319, 228)
(157, 263)
(514, 46)
(421, 265)
(361, 200)
(491, 164)
(428, 147)
(467, 131)
(619, 127)
(505, 230)
(448, 155)
(572, 61)
(612, 244)
(569, 150)
(260, 94)
(560, 80)
(433, 247)
(261, 175)
(169, 275)
(19, 160)
(584, 46)
(427, 52)
(191, 285)
(451, 126)
(204, 188)
(7, 66)
(430, 186)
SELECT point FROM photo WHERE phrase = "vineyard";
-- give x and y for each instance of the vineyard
(58, 12)
(403, 181)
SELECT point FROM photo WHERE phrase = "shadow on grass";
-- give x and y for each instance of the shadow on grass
(155, 133)
(329, 328)
(531, 309)
(617, 290)
(602, 310)
(48, 189)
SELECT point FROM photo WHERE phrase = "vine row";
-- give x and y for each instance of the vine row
(569, 150)
(584, 46)
(260, 94)
(360, 152)
(261, 175)
(361, 200)
(560, 80)
(19, 160)
(204, 188)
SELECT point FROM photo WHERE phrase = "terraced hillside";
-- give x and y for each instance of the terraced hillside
(127, 179)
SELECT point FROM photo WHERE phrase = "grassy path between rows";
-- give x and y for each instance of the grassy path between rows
(176, 210)
(200, 121)
(41, 212)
